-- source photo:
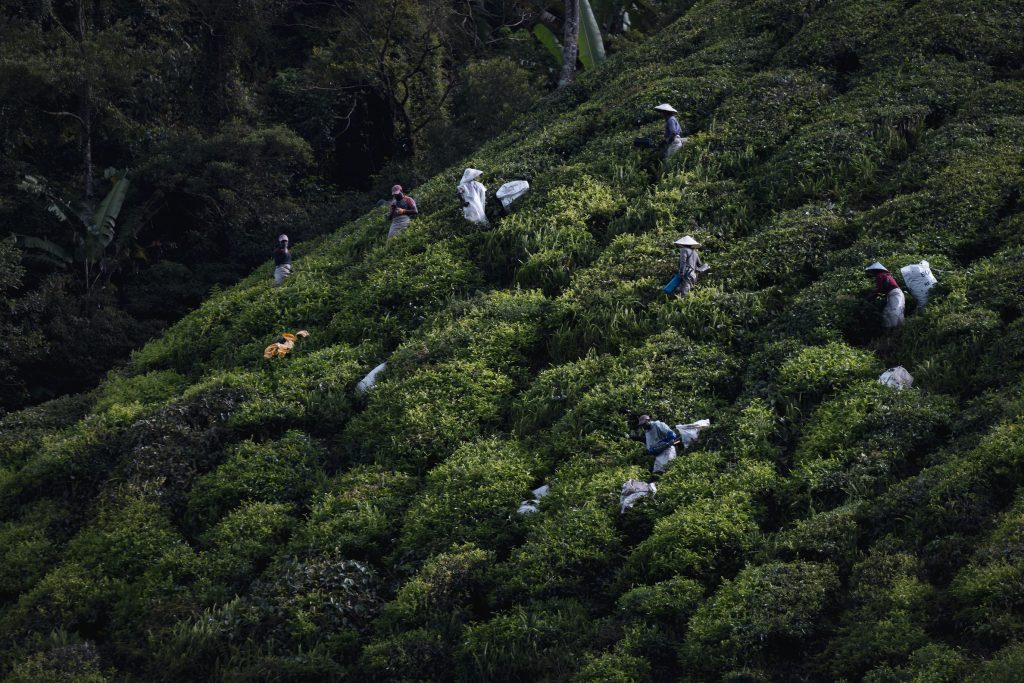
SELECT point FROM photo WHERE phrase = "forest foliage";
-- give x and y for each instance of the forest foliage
(207, 513)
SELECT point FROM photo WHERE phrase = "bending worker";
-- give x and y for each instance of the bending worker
(895, 302)
(673, 131)
(401, 210)
(282, 260)
(472, 196)
(659, 439)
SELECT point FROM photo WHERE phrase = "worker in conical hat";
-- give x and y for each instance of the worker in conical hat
(895, 301)
(690, 265)
(673, 131)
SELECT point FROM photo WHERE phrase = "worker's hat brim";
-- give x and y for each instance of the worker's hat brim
(686, 241)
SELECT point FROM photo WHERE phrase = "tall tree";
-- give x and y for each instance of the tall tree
(570, 42)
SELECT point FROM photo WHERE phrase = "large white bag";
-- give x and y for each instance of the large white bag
(689, 433)
(511, 191)
(897, 378)
(632, 491)
(919, 279)
(533, 505)
(474, 194)
(370, 381)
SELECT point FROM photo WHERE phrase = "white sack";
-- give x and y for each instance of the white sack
(511, 191)
(689, 433)
(370, 381)
(632, 491)
(919, 279)
(532, 505)
(664, 458)
(897, 378)
(474, 194)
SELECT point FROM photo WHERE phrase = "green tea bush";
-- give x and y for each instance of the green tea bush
(1004, 667)
(28, 547)
(357, 513)
(766, 609)
(22, 432)
(987, 592)
(868, 436)
(312, 392)
(996, 283)
(668, 603)
(818, 371)
(148, 389)
(789, 254)
(840, 34)
(503, 330)
(69, 662)
(698, 540)
(830, 536)
(934, 662)
(566, 552)
(418, 654)
(613, 667)
(447, 592)
(886, 620)
(281, 471)
(241, 545)
(414, 422)
(470, 497)
(523, 643)
(832, 309)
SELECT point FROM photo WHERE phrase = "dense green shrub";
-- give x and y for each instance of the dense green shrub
(470, 497)
(817, 371)
(987, 593)
(241, 545)
(150, 388)
(568, 552)
(521, 643)
(767, 609)
(705, 537)
(428, 414)
(886, 619)
(357, 513)
(281, 471)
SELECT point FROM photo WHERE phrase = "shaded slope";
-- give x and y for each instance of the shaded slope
(215, 515)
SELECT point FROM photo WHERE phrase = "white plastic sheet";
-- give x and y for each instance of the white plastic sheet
(532, 505)
(919, 279)
(897, 378)
(663, 459)
(511, 191)
(370, 381)
(689, 433)
(474, 194)
(632, 491)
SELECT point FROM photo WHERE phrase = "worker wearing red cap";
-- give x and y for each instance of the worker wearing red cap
(401, 210)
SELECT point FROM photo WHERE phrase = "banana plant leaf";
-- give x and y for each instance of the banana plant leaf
(547, 39)
(591, 44)
(105, 219)
(45, 249)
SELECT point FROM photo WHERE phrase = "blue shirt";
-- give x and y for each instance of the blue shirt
(672, 128)
(658, 437)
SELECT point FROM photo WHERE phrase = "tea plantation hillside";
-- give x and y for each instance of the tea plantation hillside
(212, 515)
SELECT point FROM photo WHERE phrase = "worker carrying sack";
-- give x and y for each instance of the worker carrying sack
(511, 191)
(919, 279)
(472, 194)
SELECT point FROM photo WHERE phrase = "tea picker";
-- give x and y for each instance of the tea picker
(674, 139)
(472, 195)
(660, 441)
(886, 285)
(690, 267)
(401, 210)
(282, 260)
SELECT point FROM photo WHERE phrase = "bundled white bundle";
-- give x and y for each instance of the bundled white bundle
(919, 279)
